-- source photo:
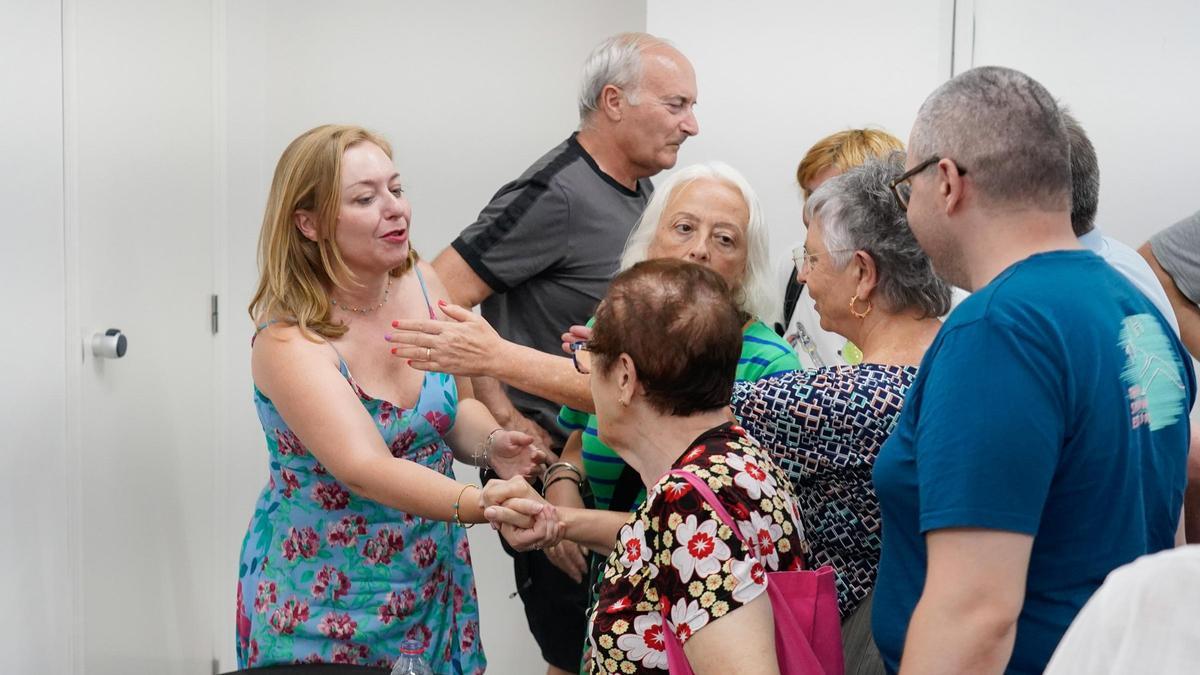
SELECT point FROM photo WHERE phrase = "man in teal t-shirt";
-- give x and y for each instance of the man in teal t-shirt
(1044, 441)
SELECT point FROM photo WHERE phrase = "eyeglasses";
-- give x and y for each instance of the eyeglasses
(806, 261)
(581, 356)
(901, 186)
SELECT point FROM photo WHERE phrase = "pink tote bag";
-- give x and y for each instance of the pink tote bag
(808, 629)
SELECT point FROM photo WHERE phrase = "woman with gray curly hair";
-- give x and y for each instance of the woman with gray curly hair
(872, 284)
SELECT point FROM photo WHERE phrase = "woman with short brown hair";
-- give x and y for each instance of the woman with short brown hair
(662, 360)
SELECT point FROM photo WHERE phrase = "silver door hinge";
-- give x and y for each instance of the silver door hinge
(215, 315)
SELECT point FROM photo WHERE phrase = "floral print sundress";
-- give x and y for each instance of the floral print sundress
(327, 576)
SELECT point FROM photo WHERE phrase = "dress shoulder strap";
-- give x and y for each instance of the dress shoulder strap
(341, 361)
(260, 328)
(424, 291)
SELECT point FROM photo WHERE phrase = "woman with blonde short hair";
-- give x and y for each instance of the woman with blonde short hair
(828, 157)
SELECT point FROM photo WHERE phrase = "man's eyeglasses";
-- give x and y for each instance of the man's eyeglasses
(901, 187)
(582, 356)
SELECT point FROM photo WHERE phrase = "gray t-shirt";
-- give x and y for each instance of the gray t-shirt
(1177, 249)
(548, 245)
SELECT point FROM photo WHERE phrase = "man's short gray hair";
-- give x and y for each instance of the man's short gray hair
(1005, 130)
(616, 61)
(858, 213)
(1085, 176)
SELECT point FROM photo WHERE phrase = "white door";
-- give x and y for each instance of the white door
(35, 572)
(140, 192)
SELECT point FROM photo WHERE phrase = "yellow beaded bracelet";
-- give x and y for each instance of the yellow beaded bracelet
(458, 501)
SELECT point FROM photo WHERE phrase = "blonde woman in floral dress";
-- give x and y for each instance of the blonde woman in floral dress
(357, 543)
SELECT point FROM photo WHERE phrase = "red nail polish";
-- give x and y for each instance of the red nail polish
(409, 362)
(394, 350)
(395, 324)
(441, 303)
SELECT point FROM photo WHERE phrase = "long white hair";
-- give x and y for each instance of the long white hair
(756, 294)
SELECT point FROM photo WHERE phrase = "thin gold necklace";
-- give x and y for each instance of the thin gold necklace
(365, 310)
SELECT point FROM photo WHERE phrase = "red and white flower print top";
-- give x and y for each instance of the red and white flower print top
(675, 547)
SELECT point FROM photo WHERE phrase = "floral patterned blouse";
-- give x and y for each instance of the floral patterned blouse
(674, 547)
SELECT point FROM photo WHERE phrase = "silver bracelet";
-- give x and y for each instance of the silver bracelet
(485, 449)
(547, 483)
(566, 466)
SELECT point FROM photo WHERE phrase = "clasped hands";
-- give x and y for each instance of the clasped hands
(524, 519)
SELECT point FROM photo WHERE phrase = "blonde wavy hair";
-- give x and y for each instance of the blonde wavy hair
(295, 272)
(844, 150)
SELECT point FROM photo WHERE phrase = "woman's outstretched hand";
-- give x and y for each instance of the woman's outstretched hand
(514, 453)
(464, 345)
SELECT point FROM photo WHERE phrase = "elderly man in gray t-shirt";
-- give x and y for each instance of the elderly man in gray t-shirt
(542, 253)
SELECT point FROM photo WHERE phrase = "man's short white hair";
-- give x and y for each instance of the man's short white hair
(616, 61)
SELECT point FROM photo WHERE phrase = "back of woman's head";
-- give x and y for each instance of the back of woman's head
(295, 271)
(844, 150)
(681, 327)
(858, 213)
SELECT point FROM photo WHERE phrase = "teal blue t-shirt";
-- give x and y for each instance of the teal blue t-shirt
(1054, 402)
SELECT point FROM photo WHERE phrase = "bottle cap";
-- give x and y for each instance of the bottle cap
(412, 648)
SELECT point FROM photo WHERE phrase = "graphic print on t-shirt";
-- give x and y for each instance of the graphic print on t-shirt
(1151, 373)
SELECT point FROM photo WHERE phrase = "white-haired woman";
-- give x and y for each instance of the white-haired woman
(705, 213)
(730, 236)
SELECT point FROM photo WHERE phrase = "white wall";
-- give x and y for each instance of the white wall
(1131, 75)
(469, 94)
(35, 577)
(776, 77)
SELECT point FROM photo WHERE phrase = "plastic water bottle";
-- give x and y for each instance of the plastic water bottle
(410, 661)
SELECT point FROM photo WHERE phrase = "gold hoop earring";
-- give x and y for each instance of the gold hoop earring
(855, 312)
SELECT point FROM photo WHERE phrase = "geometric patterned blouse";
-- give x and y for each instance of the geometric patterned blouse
(824, 428)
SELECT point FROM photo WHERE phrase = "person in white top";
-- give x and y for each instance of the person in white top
(1142, 620)
(828, 157)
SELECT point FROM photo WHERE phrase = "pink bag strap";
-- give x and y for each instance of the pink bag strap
(701, 487)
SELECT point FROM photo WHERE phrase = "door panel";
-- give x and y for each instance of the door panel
(35, 575)
(140, 143)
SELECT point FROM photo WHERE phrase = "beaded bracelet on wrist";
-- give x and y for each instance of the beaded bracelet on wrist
(458, 502)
